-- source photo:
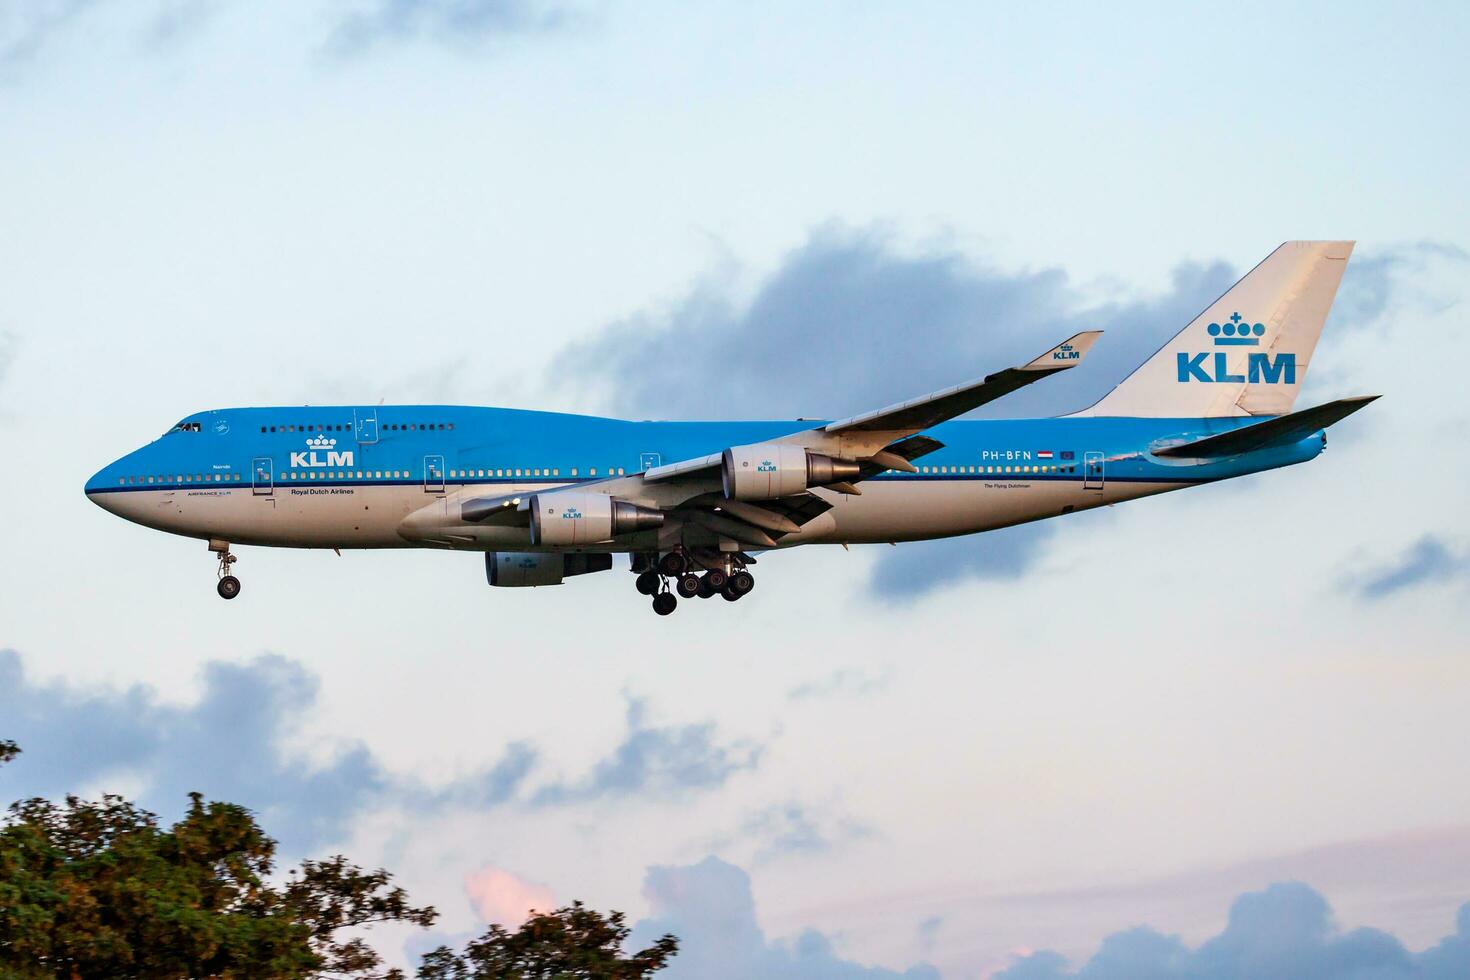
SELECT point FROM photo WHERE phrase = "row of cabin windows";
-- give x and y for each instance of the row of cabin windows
(137, 481)
(555, 471)
(452, 474)
(996, 469)
(394, 427)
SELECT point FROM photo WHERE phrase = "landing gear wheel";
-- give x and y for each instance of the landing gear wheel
(730, 594)
(673, 563)
(647, 582)
(716, 579)
(664, 603)
(742, 582)
(228, 586)
(706, 591)
(689, 585)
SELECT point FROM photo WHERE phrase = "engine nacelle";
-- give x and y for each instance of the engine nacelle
(517, 569)
(574, 519)
(768, 470)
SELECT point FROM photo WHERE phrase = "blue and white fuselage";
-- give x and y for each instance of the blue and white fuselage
(551, 495)
(320, 478)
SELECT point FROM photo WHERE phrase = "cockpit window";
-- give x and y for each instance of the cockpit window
(186, 427)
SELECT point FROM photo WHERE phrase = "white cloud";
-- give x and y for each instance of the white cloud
(505, 898)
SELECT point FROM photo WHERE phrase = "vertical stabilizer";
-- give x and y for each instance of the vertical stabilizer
(1248, 352)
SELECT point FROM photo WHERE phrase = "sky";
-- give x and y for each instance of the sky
(1209, 734)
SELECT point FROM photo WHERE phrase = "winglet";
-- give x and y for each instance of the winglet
(1069, 353)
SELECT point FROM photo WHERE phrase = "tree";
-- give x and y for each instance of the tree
(571, 943)
(100, 890)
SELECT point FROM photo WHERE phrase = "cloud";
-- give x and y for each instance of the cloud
(1376, 281)
(227, 746)
(450, 21)
(26, 28)
(496, 785)
(652, 760)
(231, 745)
(850, 321)
(710, 907)
(502, 897)
(1284, 931)
(176, 21)
(8, 346)
(792, 830)
(1006, 554)
(843, 681)
(1430, 559)
(928, 930)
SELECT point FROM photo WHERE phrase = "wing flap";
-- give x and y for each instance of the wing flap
(656, 473)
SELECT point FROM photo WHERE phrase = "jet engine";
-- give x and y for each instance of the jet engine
(515, 569)
(768, 470)
(574, 519)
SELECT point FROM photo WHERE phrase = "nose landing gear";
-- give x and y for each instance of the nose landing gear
(228, 586)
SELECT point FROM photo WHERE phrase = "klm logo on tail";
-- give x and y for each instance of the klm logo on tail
(1261, 368)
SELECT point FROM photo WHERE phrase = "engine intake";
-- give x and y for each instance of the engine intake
(574, 519)
(519, 569)
(768, 470)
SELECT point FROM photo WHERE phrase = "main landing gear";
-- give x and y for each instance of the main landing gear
(228, 586)
(723, 575)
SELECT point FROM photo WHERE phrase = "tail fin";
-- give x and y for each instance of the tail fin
(1247, 353)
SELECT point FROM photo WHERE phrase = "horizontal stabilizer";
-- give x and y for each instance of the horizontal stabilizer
(1280, 431)
(926, 410)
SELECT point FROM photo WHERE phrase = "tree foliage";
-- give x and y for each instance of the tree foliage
(99, 889)
(571, 943)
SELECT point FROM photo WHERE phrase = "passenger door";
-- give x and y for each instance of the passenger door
(365, 425)
(262, 480)
(1092, 471)
(433, 474)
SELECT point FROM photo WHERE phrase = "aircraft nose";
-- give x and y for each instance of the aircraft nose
(98, 488)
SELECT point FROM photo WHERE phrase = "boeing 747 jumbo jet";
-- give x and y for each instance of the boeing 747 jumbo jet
(549, 496)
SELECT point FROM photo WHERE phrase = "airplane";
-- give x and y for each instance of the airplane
(549, 496)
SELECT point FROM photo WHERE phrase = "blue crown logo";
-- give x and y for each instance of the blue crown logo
(1236, 333)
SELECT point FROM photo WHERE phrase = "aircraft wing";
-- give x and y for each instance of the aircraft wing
(866, 436)
(928, 410)
(877, 442)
